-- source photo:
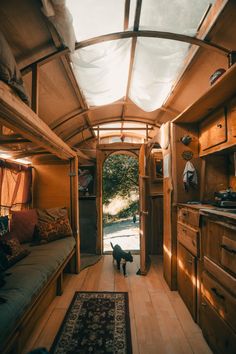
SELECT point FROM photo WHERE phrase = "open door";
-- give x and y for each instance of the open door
(143, 209)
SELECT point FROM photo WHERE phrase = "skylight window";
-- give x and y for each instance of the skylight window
(177, 16)
(92, 18)
(102, 70)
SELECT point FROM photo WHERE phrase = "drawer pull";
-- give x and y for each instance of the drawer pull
(203, 304)
(219, 125)
(215, 291)
(226, 248)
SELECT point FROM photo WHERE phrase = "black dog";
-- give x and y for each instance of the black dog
(121, 257)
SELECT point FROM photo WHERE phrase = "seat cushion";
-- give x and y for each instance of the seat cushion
(27, 278)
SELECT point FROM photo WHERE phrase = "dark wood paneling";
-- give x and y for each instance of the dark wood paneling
(88, 225)
(155, 239)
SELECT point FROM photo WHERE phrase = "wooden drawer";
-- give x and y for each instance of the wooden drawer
(219, 244)
(222, 276)
(213, 130)
(186, 275)
(189, 216)
(188, 237)
(223, 302)
(218, 334)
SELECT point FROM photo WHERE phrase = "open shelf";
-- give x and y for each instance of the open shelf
(217, 94)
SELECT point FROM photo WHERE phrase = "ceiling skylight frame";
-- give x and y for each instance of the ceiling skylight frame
(147, 33)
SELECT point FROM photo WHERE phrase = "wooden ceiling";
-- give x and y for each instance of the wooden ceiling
(58, 100)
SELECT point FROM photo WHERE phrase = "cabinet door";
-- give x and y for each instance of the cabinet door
(186, 273)
(213, 130)
(232, 117)
(218, 334)
(219, 298)
(219, 243)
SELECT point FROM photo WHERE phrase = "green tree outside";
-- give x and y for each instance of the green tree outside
(120, 178)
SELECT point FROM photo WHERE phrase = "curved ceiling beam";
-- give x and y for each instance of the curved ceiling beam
(153, 34)
(117, 119)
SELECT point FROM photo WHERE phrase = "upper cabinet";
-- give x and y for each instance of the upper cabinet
(218, 130)
(213, 130)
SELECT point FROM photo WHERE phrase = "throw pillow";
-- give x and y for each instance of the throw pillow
(13, 251)
(53, 230)
(51, 214)
(23, 223)
(3, 225)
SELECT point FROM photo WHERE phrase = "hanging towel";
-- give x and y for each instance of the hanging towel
(189, 176)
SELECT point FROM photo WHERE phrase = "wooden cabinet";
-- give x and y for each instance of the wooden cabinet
(220, 244)
(187, 252)
(218, 285)
(218, 334)
(220, 298)
(188, 237)
(232, 118)
(213, 130)
(189, 216)
(186, 275)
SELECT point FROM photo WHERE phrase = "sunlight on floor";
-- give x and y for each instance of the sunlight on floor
(124, 232)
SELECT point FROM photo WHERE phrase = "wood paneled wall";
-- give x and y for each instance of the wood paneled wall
(216, 175)
(55, 184)
(51, 185)
(178, 165)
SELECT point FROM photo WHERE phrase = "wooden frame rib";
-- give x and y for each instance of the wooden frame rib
(132, 53)
(154, 34)
(126, 17)
(60, 52)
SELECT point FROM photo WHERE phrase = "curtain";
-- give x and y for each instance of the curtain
(15, 186)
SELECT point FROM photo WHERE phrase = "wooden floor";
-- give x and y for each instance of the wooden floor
(160, 322)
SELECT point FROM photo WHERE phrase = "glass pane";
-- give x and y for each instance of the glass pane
(157, 64)
(179, 16)
(102, 71)
(92, 18)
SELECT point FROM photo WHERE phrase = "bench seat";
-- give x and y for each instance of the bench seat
(26, 280)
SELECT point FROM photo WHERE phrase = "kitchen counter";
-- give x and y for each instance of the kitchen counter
(206, 209)
(197, 206)
(225, 213)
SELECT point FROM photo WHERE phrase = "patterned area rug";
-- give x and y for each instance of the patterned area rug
(96, 322)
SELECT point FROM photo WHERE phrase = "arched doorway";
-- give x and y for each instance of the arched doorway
(120, 201)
